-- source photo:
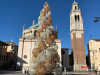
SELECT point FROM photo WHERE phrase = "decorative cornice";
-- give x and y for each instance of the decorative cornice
(27, 38)
(33, 40)
(25, 41)
(76, 30)
(30, 28)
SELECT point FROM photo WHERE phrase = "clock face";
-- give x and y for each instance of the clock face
(77, 25)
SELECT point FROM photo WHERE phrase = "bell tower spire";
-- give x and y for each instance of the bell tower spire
(33, 23)
(24, 27)
(77, 37)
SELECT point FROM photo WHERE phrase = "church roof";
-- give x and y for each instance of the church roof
(75, 2)
(37, 25)
(30, 27)
(7, 43)
(4, 43)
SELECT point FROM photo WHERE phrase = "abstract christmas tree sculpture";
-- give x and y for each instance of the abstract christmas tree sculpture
(45, 57)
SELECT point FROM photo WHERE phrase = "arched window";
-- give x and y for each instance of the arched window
(24, 34)
(35, 33)
(75, 7)
(31, 31)
(75, 17)
(78, 18)
(28, 33)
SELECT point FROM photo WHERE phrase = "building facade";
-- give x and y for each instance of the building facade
(65, 58)
(12, 50)
(26, 45)
(94, 54)
(77, 38)
(3, 49)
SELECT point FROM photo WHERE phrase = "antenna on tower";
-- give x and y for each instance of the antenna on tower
(12, 40)
(90, 36)
(24, 27)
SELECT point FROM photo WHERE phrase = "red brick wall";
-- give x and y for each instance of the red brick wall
(77, 44)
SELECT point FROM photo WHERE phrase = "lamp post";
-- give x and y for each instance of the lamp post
(93, 58)
(96, 19)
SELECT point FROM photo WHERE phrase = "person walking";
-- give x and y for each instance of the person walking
(24, 71)
(28, 71)
(96, 71)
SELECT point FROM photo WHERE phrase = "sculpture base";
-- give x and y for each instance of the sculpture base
(79, 68)
(54, 73)
(32, 72)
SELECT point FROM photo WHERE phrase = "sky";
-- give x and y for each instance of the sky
(14, 13)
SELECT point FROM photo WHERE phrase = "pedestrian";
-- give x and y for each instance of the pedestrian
(24, 71)
(13, 66)
(28, 71)
(96, 71)
(65, 69)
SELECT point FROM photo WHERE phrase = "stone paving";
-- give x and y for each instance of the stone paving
(64, 73)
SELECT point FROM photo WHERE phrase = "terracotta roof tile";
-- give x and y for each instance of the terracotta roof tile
(96, 39)
(7, 43)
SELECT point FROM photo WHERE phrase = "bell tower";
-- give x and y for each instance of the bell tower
(77, 37)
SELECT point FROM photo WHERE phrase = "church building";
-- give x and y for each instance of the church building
(26, 45)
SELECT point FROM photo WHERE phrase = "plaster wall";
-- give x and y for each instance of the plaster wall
(94, 46)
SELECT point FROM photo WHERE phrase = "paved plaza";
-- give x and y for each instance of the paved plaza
(64, 73)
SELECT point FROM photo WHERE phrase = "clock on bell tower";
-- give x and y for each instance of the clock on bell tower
(77, 37)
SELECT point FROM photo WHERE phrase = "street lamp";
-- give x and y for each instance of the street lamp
(93, 58)
(96, 19)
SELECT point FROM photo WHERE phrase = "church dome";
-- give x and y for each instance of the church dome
(37, 25)
(30, 27)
